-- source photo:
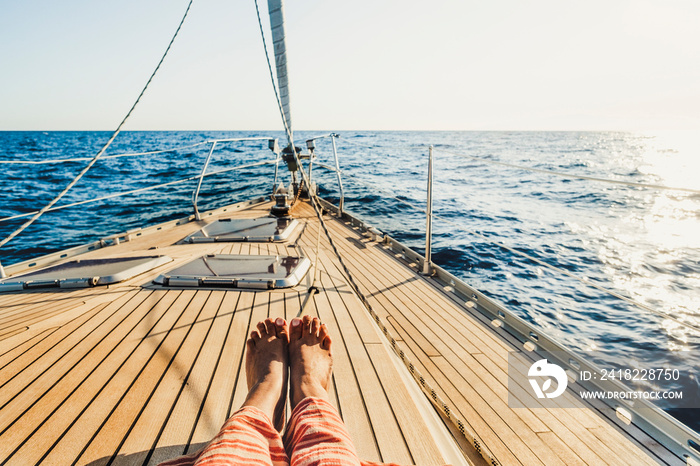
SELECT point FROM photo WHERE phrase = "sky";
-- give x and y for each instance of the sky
(354, 65)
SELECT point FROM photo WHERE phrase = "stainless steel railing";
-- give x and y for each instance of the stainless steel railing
(214, 142)
(310, 144)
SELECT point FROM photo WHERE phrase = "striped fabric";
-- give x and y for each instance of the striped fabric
(315, 436)
(246, 439)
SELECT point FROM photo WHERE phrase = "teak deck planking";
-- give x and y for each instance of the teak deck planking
(135, 374)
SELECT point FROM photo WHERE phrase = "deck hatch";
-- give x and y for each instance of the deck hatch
(264, 229)
(84, 273)
(238, 271)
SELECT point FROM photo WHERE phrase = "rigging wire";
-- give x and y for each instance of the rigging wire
(486, 238)
(432, 394)
(287, 129)
(132, 154)
(109, 142)
(82, 159)
(478, 444)
(572, 176)
(148, 188)
(546, 172)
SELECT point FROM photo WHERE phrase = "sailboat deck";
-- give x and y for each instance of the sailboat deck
(135, 374)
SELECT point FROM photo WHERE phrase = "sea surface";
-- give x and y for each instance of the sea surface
(642, 243)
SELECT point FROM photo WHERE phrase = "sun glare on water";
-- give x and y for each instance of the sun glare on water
(662, 262)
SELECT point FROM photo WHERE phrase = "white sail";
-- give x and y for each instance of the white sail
(276, 10)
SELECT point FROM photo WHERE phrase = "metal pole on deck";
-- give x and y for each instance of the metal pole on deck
(337, 172)
(427, 269)
(195, 194)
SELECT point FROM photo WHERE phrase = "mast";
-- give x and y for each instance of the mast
(276, 10)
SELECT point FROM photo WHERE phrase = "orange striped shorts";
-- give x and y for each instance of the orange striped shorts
(315, 435)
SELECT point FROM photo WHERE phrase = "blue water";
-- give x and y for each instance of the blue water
(638, 242)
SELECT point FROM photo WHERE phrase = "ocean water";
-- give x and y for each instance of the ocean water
(641, 243)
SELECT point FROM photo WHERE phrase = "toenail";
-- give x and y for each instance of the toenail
(296, 322)
(279, 321)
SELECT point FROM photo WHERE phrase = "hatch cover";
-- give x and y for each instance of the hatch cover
(238, 271)
(246, 229)
(84, 273)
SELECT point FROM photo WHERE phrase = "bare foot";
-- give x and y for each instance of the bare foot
(266, 363)
(310, 359)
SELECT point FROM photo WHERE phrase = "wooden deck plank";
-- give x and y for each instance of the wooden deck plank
(32, 301)
(8, 300)
(22, 322)
(126, 394)
(351, 403)
(350, 250)
(236, 308)
(40, 370)
(168, 420)
(562, 449)
(133, 408)
(418, 437)
(11, 353)
(54, 410)
(390, 440)
(43, 348)
(453, 392)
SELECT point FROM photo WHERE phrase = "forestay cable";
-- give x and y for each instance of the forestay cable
(102, 151)
(429, 391)
(287, 124)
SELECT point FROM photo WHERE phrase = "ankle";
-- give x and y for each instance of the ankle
(307, 387)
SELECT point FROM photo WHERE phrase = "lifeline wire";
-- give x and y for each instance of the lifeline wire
(82, 159)
(534, 259)
(578, 177)
(102, 151)
(148, 188)
(548, 172)
(132, 154)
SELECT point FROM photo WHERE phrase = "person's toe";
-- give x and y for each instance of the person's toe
(307, 325)
(296, 327)
(325, 337)
(315, 325)
(263, 329)
(281, 329)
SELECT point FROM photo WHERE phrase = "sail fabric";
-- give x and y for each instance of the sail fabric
(276, 10)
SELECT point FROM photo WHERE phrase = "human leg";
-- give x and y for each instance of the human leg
(315, 434)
